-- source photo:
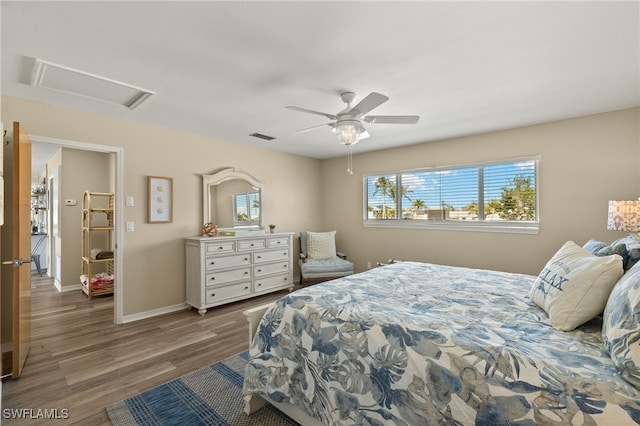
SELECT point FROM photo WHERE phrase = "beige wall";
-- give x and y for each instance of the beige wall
(154, 254)
(584, 163)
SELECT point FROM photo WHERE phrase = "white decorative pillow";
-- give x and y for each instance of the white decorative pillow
(574, 285)
(321, 245)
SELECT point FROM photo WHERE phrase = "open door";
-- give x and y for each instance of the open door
(21, 251)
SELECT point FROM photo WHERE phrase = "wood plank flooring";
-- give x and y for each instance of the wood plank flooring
(80, 361)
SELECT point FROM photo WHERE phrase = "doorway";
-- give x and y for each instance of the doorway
(116, 169)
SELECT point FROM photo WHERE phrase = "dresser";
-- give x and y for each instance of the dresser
(221, 270)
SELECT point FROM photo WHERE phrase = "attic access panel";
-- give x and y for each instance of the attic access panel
(64, 79)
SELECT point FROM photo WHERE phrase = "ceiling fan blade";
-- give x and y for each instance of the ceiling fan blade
(310, 111)
(392, 119)
(314, 127)
(373, 100)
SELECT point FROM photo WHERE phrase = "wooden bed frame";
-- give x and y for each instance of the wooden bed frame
(255, 402)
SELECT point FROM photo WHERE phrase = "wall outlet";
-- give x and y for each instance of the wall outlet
(70, 202)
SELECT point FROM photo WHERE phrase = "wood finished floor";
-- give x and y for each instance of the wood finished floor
(81, 361)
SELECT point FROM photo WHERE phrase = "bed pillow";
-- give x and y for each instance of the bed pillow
(603, 249)
(632, 245)
(621, 326)
(574, 285)
(321, 245)
(595, 246)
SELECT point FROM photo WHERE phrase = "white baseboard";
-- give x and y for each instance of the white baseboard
(67, 287)
(154, 313)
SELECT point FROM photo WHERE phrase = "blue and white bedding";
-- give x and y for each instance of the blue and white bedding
(422, 344)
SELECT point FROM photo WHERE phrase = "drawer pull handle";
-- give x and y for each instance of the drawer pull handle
(246, 258)
(213, 294)
(259, 270)
(213, 263)
(259, 284)
(220, 248)
(252, 244)
(259, 257)
(246, 287)
(246, 272)
(213, 278)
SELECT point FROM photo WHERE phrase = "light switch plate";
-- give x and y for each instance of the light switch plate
(130, 227)
(129, 201)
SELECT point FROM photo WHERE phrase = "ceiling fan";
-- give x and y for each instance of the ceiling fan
(348, 124)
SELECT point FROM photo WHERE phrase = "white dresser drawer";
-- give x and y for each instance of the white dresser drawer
(228, 276)
(251, 245)
(221, 247)
(278, 242)
(271, 268)
(222, 262)
(221, 293)
(263, 284)
(271, 255)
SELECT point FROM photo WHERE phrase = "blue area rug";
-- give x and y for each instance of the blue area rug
(210, 396)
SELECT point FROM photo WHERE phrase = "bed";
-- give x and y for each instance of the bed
(419, 344)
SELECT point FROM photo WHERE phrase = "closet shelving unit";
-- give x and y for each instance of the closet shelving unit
(39, 210)
(97, 240)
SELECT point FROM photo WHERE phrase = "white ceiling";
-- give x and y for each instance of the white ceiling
(228, 69)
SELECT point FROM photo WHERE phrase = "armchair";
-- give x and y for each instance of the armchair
(319, 259)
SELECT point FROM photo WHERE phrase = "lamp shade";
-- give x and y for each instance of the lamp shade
(348, 131)
(624, 216)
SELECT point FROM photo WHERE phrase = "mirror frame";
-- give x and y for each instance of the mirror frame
(225, 175)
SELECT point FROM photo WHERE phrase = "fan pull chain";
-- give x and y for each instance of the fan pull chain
(349, 160)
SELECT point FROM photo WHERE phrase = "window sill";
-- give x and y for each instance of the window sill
(503, 227)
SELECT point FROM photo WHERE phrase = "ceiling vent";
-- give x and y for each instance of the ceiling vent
(76, 82)
(261, 136)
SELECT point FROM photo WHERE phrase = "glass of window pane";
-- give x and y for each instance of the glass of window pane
(381, 197)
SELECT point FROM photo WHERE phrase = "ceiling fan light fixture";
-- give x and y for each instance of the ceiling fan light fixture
(348, 132)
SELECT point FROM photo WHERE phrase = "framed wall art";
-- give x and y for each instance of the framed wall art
(160, 199)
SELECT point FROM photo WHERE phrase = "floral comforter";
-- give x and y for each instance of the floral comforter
(423, 344)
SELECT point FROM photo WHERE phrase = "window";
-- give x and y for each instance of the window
(246, 209)
(500, 196)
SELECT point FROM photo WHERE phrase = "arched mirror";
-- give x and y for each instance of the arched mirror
(232, 198)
